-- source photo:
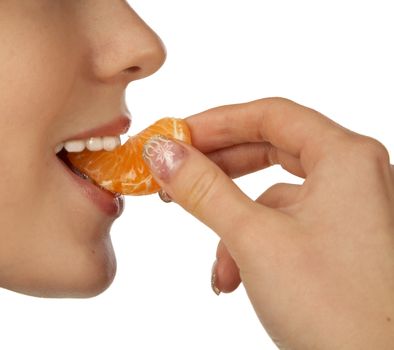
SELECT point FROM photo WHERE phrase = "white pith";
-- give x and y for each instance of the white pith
(107, 143)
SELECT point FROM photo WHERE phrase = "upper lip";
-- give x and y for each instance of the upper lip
(118, 126)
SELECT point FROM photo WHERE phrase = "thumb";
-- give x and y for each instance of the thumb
(203, 189)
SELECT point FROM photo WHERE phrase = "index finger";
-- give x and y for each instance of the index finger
(300, 131)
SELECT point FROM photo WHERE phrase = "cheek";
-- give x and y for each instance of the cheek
(38, 65)
(51, 242)
(34, 106)
(38, 72)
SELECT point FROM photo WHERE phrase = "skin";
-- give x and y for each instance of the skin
(64, 67)
(317, 259)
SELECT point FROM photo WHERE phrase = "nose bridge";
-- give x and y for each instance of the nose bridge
(122, 44)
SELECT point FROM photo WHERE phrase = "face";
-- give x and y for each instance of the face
(64, 67)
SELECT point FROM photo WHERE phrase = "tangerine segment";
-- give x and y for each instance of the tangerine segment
(123, 170)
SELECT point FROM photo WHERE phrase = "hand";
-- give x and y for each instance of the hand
(317, 260)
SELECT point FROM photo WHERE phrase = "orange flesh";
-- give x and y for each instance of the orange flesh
(124, 170)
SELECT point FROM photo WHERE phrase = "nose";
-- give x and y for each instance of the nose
(122, 46)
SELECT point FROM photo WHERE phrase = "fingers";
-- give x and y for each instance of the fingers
(247, 158)
(225, 272)
(290, 127)
(205, 191)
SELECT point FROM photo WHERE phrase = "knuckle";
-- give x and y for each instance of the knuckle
(377, 150)
(362, 154)
(279, 100)
(370, 148)
(275, 103)
(201, 190)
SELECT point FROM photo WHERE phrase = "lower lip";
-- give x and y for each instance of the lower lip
(109, 203)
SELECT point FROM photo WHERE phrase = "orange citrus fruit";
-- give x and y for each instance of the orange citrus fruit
(123, 170)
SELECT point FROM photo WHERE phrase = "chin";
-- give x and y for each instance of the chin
(93, 274)
(85, 273)
(92, 281)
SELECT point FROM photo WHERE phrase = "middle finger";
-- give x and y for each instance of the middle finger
(247, 158)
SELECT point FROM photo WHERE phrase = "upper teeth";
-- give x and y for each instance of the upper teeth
(107, 143)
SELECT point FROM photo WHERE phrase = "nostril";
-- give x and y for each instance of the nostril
(133, 69)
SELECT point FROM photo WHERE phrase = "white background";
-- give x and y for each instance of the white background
(334, 56)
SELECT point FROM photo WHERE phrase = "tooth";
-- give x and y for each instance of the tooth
(108, 143)
(59, 147)
(118, 141)
(111, 142)
(74, 145)
(94, 144)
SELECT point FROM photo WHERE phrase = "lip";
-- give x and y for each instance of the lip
(107, 202)
(118, 126)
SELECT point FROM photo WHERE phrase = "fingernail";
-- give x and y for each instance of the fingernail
(215, 289)
(165, 197)
(163, 156)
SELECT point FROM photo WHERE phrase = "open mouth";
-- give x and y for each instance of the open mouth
(108, 143)
(104, 138)
(123, 170)
(108, 202)
(62, 155)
